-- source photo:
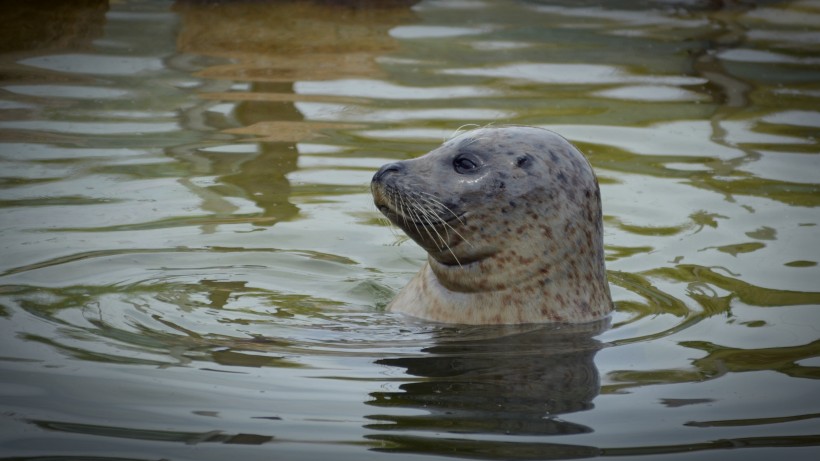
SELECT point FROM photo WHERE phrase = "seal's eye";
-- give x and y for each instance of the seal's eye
(465, 164)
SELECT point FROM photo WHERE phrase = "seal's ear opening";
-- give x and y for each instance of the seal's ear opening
(524, 161)
(396, 167)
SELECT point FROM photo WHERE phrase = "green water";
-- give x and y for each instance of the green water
(191, 266)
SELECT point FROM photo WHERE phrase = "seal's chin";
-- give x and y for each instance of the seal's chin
(462, 257)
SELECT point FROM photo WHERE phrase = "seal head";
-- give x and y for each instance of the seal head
(511, 220)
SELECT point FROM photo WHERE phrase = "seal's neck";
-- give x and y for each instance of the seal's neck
(559, 251)
(552, 273)
(528, 302)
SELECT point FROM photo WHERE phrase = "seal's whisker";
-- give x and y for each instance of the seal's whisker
(432, 199)
(464, 239)
(399, 205)
(393, 227)
(444, 223)
(396, 202)
(406, 212)
(431, 213)
(399, 202)
(429, 217)
(415, 213)
(433, 209)
(438, 206)
(410, 215)
(425, 213)
(462, 128)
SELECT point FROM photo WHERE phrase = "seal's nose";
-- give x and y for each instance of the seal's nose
(387, 169)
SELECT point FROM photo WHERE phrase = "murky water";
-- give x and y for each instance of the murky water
(192, 267)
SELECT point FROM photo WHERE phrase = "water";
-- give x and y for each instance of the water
(192, 267)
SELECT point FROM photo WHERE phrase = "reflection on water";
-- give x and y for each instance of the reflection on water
(192, 267)
(516, 383)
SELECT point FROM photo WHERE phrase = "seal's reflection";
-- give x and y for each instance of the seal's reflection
(501, 380)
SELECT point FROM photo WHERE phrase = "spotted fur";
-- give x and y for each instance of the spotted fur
(511, 220)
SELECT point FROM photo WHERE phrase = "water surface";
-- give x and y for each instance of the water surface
(192, 267)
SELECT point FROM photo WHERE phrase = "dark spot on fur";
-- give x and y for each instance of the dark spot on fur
(524, 161)
(513, 204)
(561, 177)
(547, 231)
(554, 157)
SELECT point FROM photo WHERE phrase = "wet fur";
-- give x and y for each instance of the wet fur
(520, 241)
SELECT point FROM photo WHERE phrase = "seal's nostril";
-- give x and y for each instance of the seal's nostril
(389, 168)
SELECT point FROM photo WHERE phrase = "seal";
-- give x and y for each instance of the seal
(511, 220)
